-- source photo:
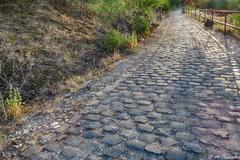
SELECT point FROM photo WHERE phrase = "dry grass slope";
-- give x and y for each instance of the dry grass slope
(41, 47)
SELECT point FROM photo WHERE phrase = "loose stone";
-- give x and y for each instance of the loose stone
(53, 147)
(193, 146)
(31, 152)
(73, 141)
(143, 102)
(155, 148)
(112, 139)
(140, 119)
(183, 136)
(145, 127)
(93, 117)
(162, 132)
(221, 133)
(129, 134)
(111, 128)
(92, 134)
(177, 126)
(71, 152)
(168, 141)
(75, 130)
(114, 152)
(74, 119)
(92, 125)
(175, 154)
(136, 144)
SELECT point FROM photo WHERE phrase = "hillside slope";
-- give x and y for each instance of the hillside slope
(41, 46)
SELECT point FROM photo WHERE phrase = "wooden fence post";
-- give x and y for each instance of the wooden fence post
(199, 15)
(212, 14)
(204, 15)
(225, 22)
(195, 14)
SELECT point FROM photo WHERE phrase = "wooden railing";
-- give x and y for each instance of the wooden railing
(210, 14)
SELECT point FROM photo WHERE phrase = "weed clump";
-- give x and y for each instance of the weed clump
(113, 40)
(141, 25)
(11, 107)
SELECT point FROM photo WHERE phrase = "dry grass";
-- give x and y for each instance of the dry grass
(230, 31)
(46, 45)
(46, 50)
(74, 83)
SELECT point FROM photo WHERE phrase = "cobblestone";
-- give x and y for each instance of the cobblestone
(177, 100)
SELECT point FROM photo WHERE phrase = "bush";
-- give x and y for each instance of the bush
(132, 41)
(215, 4)
(12, 106)
(113, 40)
(235, 19)
(109, 10)
(152, 4)
(141, 26)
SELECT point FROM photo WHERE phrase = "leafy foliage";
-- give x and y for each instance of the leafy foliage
(14, 103)
(113, 40)
(215, 4)
(136, 14)
(67, 29)
(132, 40)
(176, 3)
(141, 25)
(11, 107)
(235, 19)
(108, 9)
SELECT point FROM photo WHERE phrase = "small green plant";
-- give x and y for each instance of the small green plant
(113, 40)
(234, 19)
(141, 26)
(108, 10)
(13, 103)
(132, 41)
(237, 20)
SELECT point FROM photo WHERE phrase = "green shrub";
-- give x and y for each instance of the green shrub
(215, 4)
(108, 10)
(234, 19)
(14, 103)
(237, 20)
(152, 4)
(141, 26)
(113, 40)
(132, 41)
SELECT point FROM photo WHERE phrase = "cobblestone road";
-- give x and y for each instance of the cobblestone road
(180, 101)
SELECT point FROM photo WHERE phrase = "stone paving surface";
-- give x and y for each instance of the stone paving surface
(179, 102)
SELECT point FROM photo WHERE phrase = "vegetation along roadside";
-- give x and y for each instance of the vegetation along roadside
(49, 47)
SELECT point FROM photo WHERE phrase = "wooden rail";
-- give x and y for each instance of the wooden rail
(199, 14)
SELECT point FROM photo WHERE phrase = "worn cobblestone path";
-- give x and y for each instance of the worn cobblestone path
(180, 101)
